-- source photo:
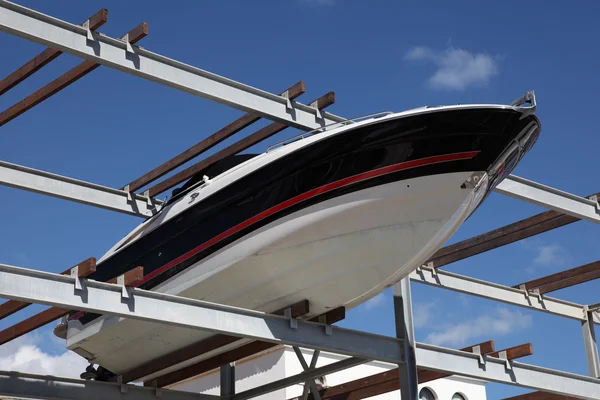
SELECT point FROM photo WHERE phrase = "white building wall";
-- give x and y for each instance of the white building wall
(281, 362)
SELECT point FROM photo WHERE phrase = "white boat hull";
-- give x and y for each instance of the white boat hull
(339, 252)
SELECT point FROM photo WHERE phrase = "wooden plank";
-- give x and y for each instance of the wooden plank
(393, 379)
(241, 145)
(38, 320)
(239, 353)
(500, 237)
(196, 349)
(560, 276)
(42, 59)
(387, 381)
(293, 92)
(565, 283)
(86, 268)
(62, 81)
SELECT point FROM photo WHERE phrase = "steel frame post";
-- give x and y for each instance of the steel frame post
(409, 384)
(227, 375)
(591, 347)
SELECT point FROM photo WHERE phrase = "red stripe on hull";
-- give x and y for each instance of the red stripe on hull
(305, 196)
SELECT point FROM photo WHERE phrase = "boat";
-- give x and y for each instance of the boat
(333, 216)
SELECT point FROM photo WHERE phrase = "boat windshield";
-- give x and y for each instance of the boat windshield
(211, 171)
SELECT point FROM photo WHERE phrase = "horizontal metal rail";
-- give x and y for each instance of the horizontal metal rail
(504, 294)
(549, 197)
(118, 54)
(507, 372)
(34, 386)
(60, 291)
(63, 187)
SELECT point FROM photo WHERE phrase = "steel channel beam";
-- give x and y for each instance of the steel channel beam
(63, 187)
(513, 373)
(504, 294)
(73, 39)
(549, 197)
(301, 377)
(227, 375)
(591, 347)
(102, 298)
(50, 387)
(405, 331)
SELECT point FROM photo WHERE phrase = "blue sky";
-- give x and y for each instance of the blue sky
(110, 127)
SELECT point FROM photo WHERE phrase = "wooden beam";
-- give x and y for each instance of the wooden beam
(541, 396)
(239, 353)
(573, 281)
(42, 59)
(52, 314)
(293, 92)
(241, 145)
(85, 268)
(196, 349)
(500, 237)
(387, 381)
(561, 276)
(380, 386)
(63, 81)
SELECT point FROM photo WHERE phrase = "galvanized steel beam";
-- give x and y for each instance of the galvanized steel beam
(97, 297)
(119, 54)
(504, 294)
(508, 372)
(549, 197)
(33, 386)
(63, 187)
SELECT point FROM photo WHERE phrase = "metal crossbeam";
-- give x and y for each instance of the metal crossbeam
(505, 294)
(116, 53)
(102, 298)
(60, 291)
(63, 187)
(33, 386)
(301, 377)
(496, 370)
(549, 197)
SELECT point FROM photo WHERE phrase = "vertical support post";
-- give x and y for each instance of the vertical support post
(591, 348)
(409, 384)
(227, 380)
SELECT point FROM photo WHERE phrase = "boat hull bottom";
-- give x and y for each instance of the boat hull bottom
(340, 252)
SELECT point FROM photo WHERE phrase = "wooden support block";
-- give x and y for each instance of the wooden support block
(331, 317)
(85, 268)
(241, 145)
(248, 119)
(132, 277)
(196, 349)
(52, 314)
(512, 353)
(62, 81)
(42, 59)
(570, 277)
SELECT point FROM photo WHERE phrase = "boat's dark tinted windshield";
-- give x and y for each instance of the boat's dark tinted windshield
(211, 171)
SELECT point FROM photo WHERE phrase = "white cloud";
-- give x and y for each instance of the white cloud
(502, 322)
(549, 254)
(422, 314)
(457, 68)
(25, 355)
(546, 255)
(374, 302)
